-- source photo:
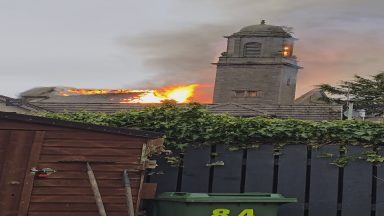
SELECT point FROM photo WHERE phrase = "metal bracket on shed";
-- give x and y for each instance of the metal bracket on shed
(42, 173)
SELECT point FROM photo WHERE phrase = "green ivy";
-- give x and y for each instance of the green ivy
(193, 125)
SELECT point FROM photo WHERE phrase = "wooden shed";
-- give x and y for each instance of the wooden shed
(30, 144)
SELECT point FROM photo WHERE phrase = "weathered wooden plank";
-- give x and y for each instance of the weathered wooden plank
(148, 191)
(86, 135)
(292, 178)
(97, 167)
(79, 199)
(195, 171)
(80, 183)
(259, 171)
(14, 169)
(75, 207)
(99, 175)
(4, 138)
(227, 178)
(29, 177)
(19, 125)
(113, 167)
(91, 151)
(165, 176)
(357, 185)
(380, 189)
(324, 182)
(138, 198)
(4, 141)
(98, 159)
(123, 144)
(73, 213)
(80, 191)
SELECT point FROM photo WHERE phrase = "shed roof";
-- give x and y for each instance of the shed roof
(78, 125)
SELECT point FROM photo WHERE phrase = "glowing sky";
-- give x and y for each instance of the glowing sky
(124, 43)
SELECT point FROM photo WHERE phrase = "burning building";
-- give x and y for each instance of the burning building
(179, 94)
(255, 76)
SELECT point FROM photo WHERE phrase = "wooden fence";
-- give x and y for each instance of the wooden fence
(322, 189)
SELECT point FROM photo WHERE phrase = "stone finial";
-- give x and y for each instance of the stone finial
(262, 22)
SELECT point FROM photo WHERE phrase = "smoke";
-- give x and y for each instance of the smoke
(339, 38)
(184, 56)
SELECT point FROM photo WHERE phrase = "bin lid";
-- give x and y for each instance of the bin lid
(225, 197)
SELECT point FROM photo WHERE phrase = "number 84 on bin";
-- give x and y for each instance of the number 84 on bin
(226, 212)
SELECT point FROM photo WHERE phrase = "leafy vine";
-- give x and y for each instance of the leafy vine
(192, 125)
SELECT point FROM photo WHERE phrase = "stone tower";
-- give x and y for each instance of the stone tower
(258, 67)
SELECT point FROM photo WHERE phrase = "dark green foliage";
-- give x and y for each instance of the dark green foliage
(193, 125)
(366, 93)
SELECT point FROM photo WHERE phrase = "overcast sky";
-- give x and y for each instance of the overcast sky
(139, 44)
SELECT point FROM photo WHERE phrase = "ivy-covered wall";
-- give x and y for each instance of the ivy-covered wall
(193, 125)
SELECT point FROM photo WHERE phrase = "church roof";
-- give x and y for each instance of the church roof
(263, 30)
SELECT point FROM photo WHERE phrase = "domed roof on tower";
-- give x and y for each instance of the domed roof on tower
(263, 30)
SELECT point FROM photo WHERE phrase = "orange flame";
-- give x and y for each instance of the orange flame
(180, 94)
(74, 91)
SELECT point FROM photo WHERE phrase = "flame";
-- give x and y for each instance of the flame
(74, 91)
(180, 94)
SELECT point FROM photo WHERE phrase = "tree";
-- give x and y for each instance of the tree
(365, 93)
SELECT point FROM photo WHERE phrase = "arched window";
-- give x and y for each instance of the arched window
(252, 49)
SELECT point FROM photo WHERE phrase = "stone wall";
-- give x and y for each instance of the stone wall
(265, 78)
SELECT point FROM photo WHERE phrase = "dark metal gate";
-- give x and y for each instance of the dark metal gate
(322, 189)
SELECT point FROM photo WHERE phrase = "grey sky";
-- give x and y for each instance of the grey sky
(116, 43)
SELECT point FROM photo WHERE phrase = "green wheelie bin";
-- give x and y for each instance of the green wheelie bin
(217, 204)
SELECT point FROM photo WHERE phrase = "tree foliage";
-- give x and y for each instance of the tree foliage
(365, 93)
